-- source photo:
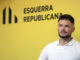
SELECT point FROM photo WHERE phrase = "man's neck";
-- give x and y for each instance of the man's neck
(64, 41)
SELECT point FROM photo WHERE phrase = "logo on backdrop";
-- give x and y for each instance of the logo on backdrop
(9, 16)
(31, 14)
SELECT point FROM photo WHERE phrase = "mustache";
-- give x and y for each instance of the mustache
(63, 31)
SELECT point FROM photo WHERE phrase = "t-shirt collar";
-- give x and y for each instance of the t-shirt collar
(68, 44)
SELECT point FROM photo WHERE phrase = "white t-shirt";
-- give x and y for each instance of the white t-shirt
(54, 51)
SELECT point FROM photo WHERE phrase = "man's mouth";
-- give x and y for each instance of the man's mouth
(63, 33)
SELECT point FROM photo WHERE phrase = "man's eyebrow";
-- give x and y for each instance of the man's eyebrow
(60, 24)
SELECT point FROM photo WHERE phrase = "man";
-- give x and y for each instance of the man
(66, 48)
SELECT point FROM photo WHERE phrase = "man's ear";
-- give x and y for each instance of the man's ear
(73, 29)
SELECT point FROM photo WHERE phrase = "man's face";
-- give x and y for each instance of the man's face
(65, 28)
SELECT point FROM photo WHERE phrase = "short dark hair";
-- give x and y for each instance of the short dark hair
(66, 17)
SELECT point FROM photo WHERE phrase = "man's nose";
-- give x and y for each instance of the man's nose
(63, 28)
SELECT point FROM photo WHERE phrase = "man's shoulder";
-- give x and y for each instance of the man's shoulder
(77, 46)
(78, 43)
(52, 44)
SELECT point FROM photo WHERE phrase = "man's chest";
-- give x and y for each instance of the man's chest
(63, 53)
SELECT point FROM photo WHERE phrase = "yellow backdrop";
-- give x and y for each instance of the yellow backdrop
(25, 40)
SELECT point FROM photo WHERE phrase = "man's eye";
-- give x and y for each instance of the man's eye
(66, 26)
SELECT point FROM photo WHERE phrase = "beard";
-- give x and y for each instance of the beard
(64, 37)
